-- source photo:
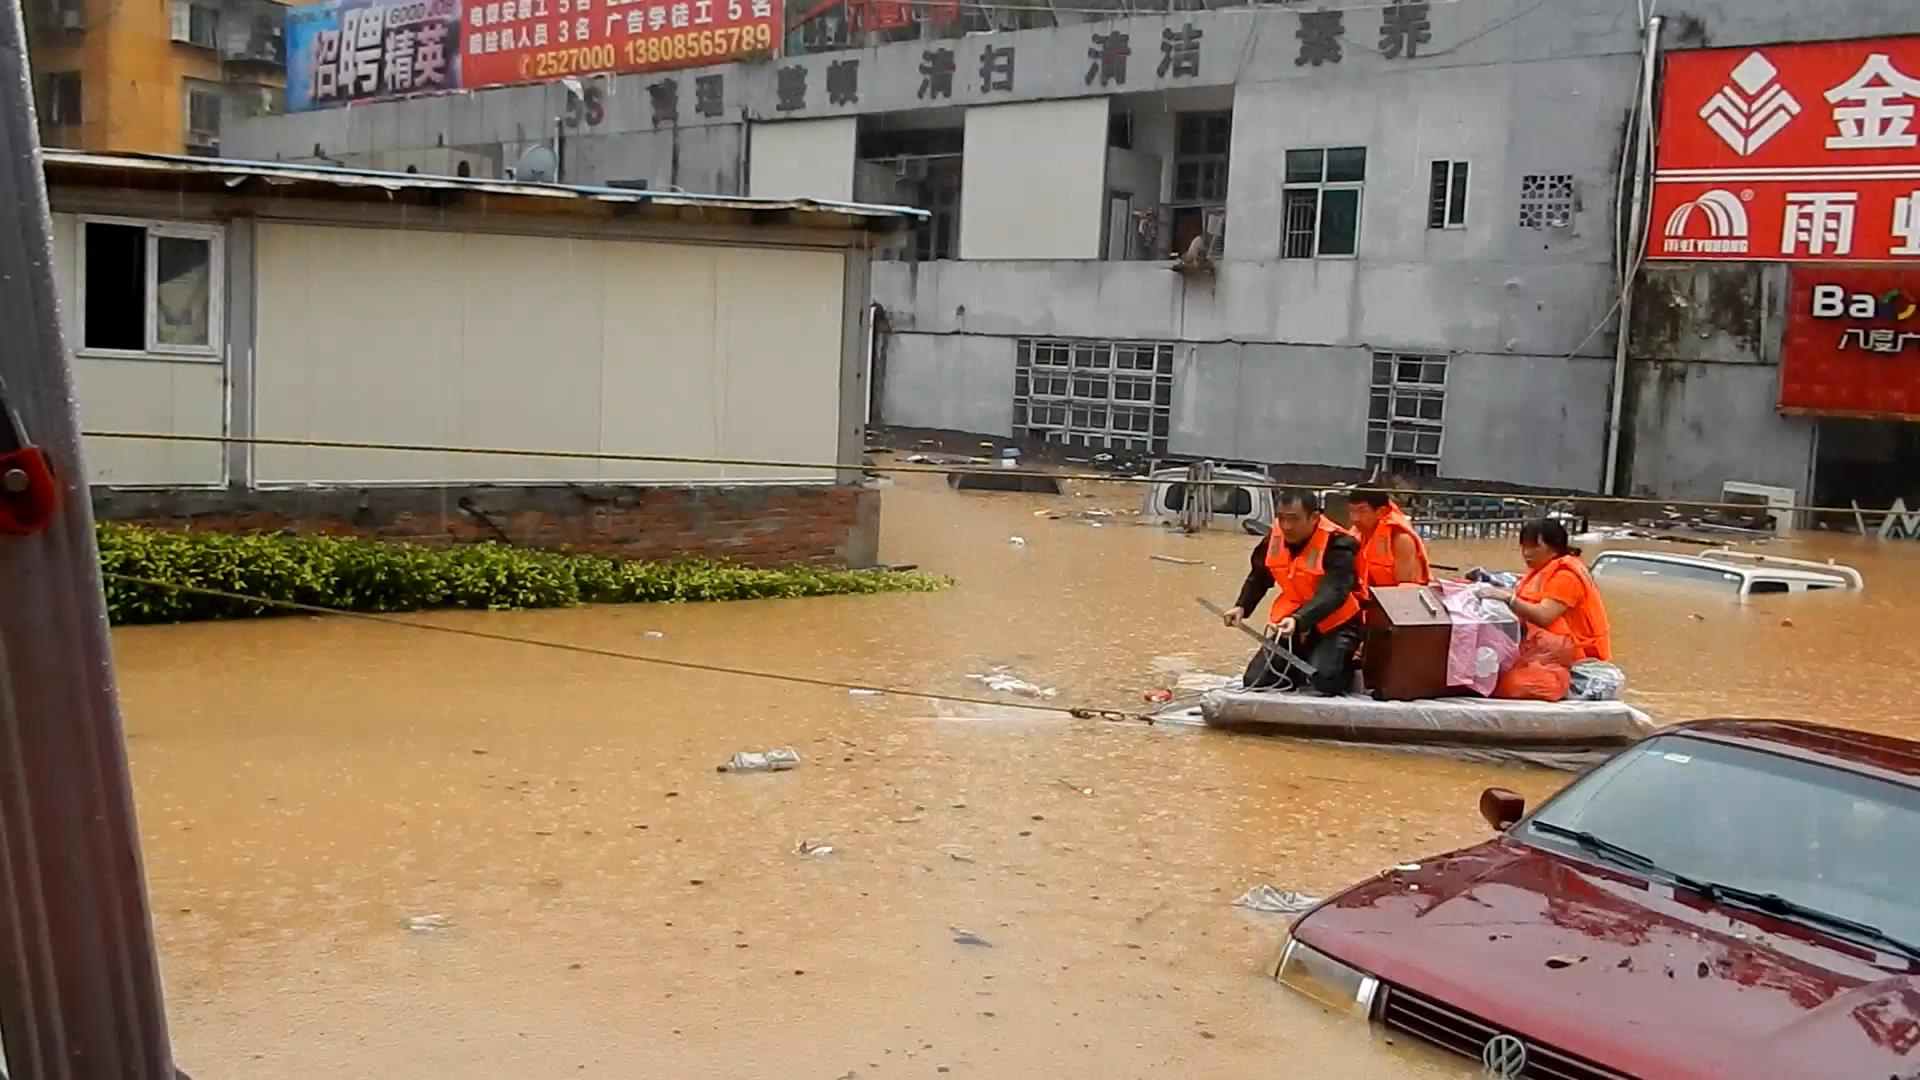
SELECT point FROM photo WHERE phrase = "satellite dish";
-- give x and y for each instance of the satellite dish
(537, 166)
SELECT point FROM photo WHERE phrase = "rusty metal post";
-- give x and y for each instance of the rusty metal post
(79, 981)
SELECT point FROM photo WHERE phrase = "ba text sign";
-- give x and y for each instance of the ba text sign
(1852, 344)
(347, 51)
(1800, 153)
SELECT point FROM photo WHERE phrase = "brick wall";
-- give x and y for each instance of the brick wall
(763, 525)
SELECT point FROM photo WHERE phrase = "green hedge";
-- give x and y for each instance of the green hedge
(366, 575)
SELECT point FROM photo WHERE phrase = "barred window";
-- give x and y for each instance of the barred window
(1112, 395)
(1406, 413)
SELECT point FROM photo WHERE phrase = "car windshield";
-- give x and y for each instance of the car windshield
(1628, 567)
(1836, 841)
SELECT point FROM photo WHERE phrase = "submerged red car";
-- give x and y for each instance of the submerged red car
(1726, 899)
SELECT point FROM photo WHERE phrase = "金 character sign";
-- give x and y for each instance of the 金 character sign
(1803, 152)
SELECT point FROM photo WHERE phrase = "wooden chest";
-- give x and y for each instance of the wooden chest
(1408, 636)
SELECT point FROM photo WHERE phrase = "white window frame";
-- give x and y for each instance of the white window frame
(204, 88)
(214, 351)
(180, 17)
(1320, 189)
(1454, 169)
(1083, 375)
(1394, 388)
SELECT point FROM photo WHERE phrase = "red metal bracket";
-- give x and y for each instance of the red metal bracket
(28, 495)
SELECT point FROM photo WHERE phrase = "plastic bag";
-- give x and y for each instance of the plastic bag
(1597, 680)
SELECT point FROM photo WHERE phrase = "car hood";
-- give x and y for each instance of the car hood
(1630, 974)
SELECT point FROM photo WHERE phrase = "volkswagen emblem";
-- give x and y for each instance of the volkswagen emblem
(1505, 1057)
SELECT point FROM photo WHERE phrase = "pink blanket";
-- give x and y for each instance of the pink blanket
(1486, 638)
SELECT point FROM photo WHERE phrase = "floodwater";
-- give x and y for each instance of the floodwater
(389, 853)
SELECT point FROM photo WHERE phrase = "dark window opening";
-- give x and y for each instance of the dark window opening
(1760, 588)
(116, 287)
(1201, 144)
(60, 103)
(1228, 499)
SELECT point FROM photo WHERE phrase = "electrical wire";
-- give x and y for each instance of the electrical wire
(928, 469)
(1083, 713)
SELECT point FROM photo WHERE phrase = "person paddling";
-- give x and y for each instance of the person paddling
(1315, 565)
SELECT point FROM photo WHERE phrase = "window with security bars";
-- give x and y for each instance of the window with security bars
(1320, 203)
(1406, 413)
(1547, 200)
(1110, 395)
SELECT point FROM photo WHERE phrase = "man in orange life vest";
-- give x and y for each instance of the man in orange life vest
(1391, 552)
(1315, 565)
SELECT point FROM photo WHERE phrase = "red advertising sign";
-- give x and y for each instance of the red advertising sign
(1796, 153)
(509, 41)
(1853, 342)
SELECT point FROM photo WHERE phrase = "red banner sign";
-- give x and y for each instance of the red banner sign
(1790, 152)
(1852, 344)
(509, 41)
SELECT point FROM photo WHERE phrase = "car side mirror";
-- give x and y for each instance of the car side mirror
(1501, 808)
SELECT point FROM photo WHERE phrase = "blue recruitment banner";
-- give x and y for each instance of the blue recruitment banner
(347, 51)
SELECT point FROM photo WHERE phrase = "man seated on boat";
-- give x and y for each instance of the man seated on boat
(1391, 551)
(1315, 565)
(1558, 595)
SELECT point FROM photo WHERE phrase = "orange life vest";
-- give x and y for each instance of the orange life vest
(1298, 577)
(1584, 624)
(1376, 552)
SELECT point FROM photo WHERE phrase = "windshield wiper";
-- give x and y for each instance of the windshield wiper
(1621, 854)
(1772, 903)
(1775, 904)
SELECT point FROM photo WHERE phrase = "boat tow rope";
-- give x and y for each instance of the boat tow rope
(1077, 712)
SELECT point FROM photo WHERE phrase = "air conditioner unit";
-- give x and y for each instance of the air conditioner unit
(914, 169)
(72, 19)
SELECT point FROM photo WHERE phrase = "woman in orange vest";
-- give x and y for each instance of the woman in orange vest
(1315, 565)
(1391, 552)
(1558, 595)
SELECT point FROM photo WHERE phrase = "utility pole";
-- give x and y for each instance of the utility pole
(79, 980)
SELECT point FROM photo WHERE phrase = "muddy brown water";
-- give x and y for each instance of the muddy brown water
(609, 906)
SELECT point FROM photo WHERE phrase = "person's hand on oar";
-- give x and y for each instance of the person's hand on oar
(1232, 616)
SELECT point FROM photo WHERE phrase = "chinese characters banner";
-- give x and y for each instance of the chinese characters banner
(1790, 152)
(340, 53)
(1852, 342)
(508, 41)
(348, 51)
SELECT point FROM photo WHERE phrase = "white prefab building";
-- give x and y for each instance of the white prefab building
(273, 302)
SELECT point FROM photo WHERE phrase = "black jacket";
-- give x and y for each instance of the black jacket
(1340, 575)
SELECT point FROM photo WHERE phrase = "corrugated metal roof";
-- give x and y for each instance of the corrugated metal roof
(275, 172)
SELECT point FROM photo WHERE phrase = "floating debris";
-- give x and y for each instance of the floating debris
(1272, 901)
(813, 848)
(778, 760)
(427, 924)
(1000, 680)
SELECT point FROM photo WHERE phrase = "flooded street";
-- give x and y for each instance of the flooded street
(608, 905)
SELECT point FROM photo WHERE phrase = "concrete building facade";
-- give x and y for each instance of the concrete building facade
(156, 77)
(216, 299)
(1405, 222)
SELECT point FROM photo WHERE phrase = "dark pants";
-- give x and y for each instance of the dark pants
(1331, 655)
